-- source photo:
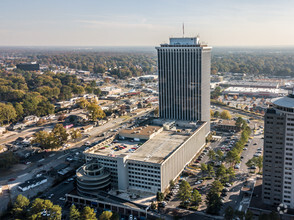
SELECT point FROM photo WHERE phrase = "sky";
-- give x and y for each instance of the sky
(145, 23)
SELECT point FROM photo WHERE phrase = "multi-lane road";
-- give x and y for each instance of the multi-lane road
(46, 161)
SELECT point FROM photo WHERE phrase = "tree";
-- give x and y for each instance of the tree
(75, 134)
(7, 113)
(203, 168)
(88, 214)
(225, 114)
(115, 216)
(159, 196)
(216, 114)
(97, 91)
(196, 198)
(106, 215)
(259, 162)
(171, 184)
(20, 206)
(229, 213)
(239, 122)
(231, 173)
(233, 156)
(219, 154)
(83, 103)
(60, 135)
(74, 213)
(184, 191)
(221, 172)
(153, 205)
(213, 202)
(19, 110)
(39, 205)
(216, 186)
(55, 212)
(78, 89)
(156, 111)
(210, 170)
(44, 139)
(211, 113)
(51, 140)
(65, 92)
(95, 112)
(250, 163)
(211, 155)
(216, 93)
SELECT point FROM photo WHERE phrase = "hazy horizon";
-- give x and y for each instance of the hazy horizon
(145, 23)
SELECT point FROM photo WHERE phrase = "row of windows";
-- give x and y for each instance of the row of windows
(142, 165)
(144, 170)
(143, 178)
(145, 187)
(108, 165)
(144, 174)
(143, 182)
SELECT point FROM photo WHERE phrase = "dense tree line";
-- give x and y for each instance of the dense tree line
(279, 62)
(23, 208)
(29, 93)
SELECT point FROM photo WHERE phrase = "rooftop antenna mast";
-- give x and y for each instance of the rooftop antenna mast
(183, 29)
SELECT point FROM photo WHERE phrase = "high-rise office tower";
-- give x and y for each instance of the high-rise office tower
(278, 161)
(184, 80)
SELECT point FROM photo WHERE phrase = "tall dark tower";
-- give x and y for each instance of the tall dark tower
(184, 80)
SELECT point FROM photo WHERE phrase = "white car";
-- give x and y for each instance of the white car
(62, 198)
(198, 182)
(237, 166)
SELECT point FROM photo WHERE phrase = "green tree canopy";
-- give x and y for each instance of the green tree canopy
(74, 213)
(88, 214)
(184, 191)
(20, 206)
(106, 215)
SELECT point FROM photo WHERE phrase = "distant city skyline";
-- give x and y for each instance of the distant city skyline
(145, 23)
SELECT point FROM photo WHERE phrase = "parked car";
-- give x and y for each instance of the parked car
(228, 184)
(198, 182)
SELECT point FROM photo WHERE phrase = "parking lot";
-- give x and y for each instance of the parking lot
(231, 193)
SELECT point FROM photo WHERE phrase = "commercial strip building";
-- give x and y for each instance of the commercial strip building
(151, 165)
(184, 80)
(251, 84)
(278, 165)
(256, 92)
(32, 183)
(227, 125)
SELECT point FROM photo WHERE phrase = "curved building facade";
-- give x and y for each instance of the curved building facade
(91, 178)
(278, 160)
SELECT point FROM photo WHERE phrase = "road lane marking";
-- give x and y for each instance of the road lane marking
(41, 160)
(62, 156)
(51, 155)
(22, 175)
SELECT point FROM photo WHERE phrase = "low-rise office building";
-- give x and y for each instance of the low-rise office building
(149, 166)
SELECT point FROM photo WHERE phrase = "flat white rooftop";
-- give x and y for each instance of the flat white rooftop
(155, 150)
